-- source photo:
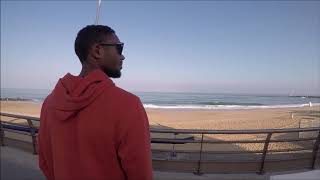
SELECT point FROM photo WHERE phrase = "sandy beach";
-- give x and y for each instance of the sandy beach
(204, 119)
(209, 119)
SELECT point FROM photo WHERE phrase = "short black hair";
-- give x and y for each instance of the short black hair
(89, 35)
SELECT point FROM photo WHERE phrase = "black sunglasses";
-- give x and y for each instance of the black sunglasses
(119, 46)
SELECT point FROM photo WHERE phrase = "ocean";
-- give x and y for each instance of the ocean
(206, 101)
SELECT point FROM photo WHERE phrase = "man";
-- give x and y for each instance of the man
(90, 129)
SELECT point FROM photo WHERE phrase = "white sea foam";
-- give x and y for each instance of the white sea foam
(218, 107)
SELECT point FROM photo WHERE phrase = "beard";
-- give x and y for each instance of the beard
(113, 73)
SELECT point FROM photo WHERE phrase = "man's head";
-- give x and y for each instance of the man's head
(98, 46)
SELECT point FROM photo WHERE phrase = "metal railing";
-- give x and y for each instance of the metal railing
(28, 129)
(266, 142)
(268, 132)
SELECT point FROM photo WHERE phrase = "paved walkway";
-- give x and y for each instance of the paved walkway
(309, 175)
(19, 164)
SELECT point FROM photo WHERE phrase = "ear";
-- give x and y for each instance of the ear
(96, 51)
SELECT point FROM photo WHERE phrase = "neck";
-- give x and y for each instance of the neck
(86, 69)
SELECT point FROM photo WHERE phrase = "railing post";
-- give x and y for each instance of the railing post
(173, 152)
(200, 157)
(1, 134)
(315, 151)
(33, 135)
(265, 151)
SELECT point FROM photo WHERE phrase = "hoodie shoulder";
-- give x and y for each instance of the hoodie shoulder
(46, 101)
(123, 94)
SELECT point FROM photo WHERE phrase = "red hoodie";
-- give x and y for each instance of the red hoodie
(90, 129)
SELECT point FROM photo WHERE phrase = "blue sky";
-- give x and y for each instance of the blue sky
(180, 46)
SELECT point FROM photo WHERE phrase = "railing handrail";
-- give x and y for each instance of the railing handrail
(177, 141)
(244, 131)
(20, 116)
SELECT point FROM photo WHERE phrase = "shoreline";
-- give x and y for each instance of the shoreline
(268, 118)
(193, 107)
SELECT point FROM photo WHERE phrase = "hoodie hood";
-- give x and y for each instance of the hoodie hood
(73, 93)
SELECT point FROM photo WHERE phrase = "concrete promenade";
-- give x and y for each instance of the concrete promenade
(18, 163)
